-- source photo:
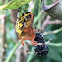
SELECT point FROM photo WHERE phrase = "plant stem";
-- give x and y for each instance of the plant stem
(52, 32)
(14, 49)
(55, 44)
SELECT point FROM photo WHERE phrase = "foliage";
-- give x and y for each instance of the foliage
(55, 52)
(14, 4)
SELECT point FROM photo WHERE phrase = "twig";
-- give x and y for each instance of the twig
(3, 38)
(55, 31)
(18, 53)
(55, 44)
(47, 21)
(13, 13)
(30, 56)
(2, 16)
(55, 22)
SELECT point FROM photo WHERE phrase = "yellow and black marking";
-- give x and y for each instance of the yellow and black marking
(26, 18)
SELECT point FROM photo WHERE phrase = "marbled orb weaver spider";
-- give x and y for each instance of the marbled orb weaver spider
(24, 27)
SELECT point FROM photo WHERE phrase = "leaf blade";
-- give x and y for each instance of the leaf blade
(14, 4)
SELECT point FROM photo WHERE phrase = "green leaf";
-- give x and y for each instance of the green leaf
(59, 49)
(14, 4)
(54, 54)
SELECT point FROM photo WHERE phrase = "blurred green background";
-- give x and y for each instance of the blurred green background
(9, 38)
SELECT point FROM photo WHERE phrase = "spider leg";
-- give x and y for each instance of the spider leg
(27, 38)
(36, 30)
(45, 42)
(20, 37)
(32, 40)
(48, 41)
(29, 52)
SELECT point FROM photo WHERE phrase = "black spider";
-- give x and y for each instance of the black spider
(41, 50)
